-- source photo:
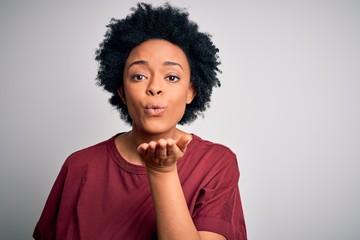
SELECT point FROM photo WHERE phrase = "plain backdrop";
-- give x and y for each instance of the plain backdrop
(288, 106)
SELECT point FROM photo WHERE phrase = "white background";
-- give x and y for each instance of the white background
(288, 107)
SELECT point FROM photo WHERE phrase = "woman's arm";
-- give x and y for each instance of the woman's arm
(172, 214)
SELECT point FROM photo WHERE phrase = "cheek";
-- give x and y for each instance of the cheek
(130, 93)
(130, 101)
(179, 103)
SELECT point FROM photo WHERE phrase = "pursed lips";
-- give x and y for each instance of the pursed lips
(154, 109)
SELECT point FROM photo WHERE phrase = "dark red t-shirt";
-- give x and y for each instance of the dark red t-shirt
(99, 195)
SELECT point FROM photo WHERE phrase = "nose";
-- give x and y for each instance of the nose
(153, 93)
(154, 88)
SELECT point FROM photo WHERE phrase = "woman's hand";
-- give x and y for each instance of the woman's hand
(161, 156)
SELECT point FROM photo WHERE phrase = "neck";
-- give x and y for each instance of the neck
(138, 137)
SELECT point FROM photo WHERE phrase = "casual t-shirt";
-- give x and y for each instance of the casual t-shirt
(99, 195)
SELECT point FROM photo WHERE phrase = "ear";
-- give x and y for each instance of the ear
(122, 94)
(191, 93)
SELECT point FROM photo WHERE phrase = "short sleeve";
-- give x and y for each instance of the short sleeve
(46, 226)
(218, 207)
(59, 214)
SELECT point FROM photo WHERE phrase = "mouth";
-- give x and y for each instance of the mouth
(154, 109)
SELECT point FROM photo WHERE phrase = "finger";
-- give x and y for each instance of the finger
(183, 142)
(149, 149)
(142, 148)
(161, 149)
(171, 147)
(152, 147)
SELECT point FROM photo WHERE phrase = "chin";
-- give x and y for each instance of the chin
(157, 127)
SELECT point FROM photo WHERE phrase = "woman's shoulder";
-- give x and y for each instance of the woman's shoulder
(89, 154)
(211, 151)
(201, 144)
(207, 159)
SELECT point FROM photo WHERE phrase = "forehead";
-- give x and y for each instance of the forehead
(157, 51)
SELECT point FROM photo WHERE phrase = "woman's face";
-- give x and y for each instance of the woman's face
(156, 86)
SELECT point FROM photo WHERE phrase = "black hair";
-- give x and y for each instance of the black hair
(168, 23)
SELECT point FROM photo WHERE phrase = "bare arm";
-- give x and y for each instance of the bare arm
(172, 215)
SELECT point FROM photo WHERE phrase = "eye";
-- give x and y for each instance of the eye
(173, 78)
(138, 77)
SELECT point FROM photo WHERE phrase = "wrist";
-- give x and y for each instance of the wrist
(161, 171)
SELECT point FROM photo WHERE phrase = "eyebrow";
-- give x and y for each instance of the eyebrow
(143, 62)
(140, 62)
(166, 63)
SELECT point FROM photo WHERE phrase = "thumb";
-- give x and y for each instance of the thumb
(183, 142)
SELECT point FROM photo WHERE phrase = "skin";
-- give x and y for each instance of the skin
(156, 88)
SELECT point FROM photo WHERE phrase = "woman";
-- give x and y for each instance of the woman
(155, 181)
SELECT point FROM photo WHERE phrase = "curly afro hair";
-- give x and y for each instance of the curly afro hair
(168, 23)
